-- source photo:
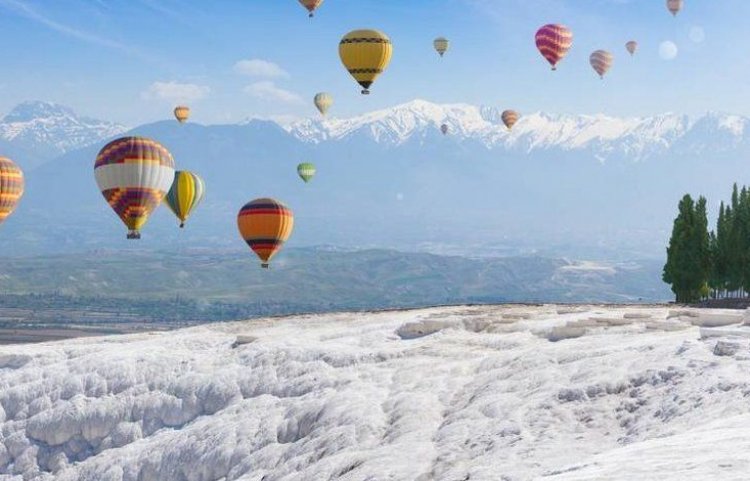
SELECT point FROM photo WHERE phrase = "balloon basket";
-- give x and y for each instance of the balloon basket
(264, 266)
(134, 235)
(365, 92)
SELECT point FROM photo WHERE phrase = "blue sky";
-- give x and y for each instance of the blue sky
(132, 60)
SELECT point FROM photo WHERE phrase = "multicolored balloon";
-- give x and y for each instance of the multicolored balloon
(265, 225)
(444, 129)
(510, 117)
(441, 45)
(182, 113)
(134, 174)
(601, 61)
(187, 191)
(674, 6)
(323, 102)
(631, 47)
(11, 187)
(553, 42)
(306, 171)
(365, 54)
(311, 6)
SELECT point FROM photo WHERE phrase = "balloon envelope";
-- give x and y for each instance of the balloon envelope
(674, 6)
(265, 225)
(510, 117)
(311, 5)
(187, 191)
(11, 187)
(553, 42)
(134, 174)
(306, 171)
(632, 46)
(323, 101)
(365, 54)
(441, 45)
(444, 129)
(182, 113)
(601, 62)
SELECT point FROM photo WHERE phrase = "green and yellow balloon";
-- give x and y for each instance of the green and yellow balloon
(306, 171)
(186, 193)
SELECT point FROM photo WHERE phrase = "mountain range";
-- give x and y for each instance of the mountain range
(559, 185)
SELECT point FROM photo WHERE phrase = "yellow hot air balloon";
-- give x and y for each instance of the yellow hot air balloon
(510, 117)
(631, 47)
(11, 187)
(311, 5)
(323, 102)
(441, 45)
(182, 113)
(674, 6)
(265, 225)
(601, 62)
(365, 54)
(186, 193)
(134, 174)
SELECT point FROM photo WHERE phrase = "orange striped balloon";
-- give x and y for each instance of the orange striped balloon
(674, 6)
(601, 61)
(11, 187)
(510, 117)
(311, 5)
(265, 225)
(553, 42)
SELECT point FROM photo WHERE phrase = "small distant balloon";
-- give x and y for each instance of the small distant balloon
(11, 187)
(306, 171)
(674, 6)
(510, 117)
(441, 45)
(444, 129)
(265, 225)
(697, 34)
(323, 102)
(601, 62)
(311, 6)
(631, 47)
(668, 50)
(182, 113)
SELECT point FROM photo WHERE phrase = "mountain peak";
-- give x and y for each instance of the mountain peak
(37, 109)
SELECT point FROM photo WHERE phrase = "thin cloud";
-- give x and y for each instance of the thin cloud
(176, 92)
(27, 11)
(267, 90)
(259, 68)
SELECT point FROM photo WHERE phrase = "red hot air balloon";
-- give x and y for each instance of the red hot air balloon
(553, 42)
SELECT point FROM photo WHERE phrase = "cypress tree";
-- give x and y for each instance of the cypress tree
(687, 267)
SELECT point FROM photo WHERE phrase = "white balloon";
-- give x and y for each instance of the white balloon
(668, 50)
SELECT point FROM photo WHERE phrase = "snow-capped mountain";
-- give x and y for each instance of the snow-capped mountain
(443, 394)
(601, 135)
(40, 131)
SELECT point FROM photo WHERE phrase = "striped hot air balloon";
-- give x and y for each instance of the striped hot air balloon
(311, 5)
(444, 129)
(365, 54)
(674, 6)
(186, 193)
(265, 225)
(306, 171)
(134, 174)
(182, 113)
(11, 187)
(441, 45)
(601, 61)
(631, 47)
(323, 101)
(553, 42)
(510, 117)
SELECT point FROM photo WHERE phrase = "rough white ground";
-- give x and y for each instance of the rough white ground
(449, 394)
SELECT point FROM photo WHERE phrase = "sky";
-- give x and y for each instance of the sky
(131, 61)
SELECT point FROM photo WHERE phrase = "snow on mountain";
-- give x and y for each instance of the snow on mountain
(634, 137)
(442, 394)
(43, 130)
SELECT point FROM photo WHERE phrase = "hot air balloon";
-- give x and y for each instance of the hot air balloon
(510, 117)
(632, 46)
(444, 129)
(323, 101)
(265, 224)
(441, 45)
(311, 5)
(134, 174)
(11, 187)
(186, 193)
(601, 61)
(182, 113)
(674, 6)
(306, 171)
(365, 54)
(553, 42)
